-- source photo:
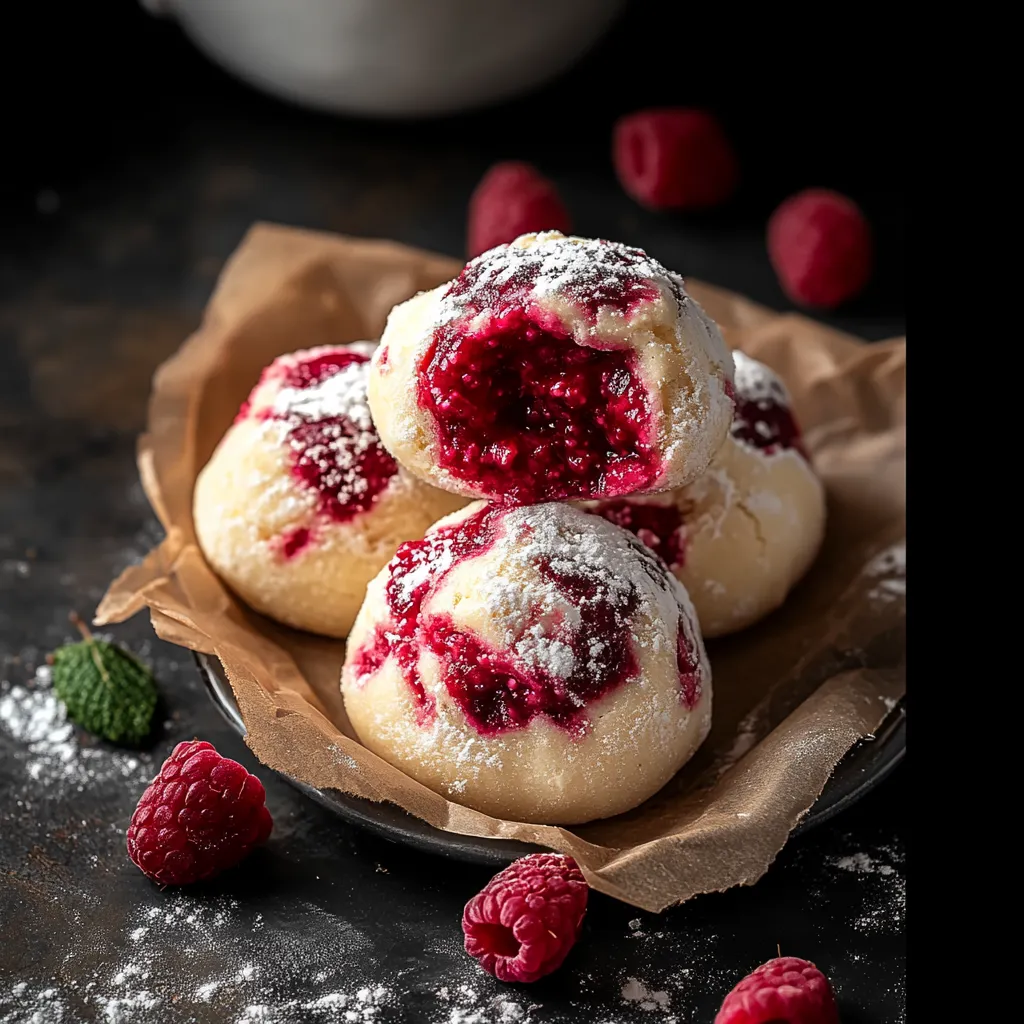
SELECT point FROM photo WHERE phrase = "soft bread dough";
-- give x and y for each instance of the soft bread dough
(623, 746)
(752, 525)
(249, 505)
(682, 360)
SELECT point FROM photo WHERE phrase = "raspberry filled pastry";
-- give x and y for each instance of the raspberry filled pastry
(553, 368)
(535, 663)
(742, 535)
(300, 505)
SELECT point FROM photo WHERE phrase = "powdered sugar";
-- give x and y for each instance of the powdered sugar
(343, 395)
(635, 991)
(889, 571)
(549, 654)
(864, 864)
(591, 275)
(885, 902)
(265, 975)
(51, 751)
(756, 382)
(323, 415)
(613, 567)
(541, 620)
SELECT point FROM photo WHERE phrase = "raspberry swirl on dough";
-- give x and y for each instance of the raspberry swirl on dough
(740, 537)
(535, 663)
(300, 505)
(553, 368)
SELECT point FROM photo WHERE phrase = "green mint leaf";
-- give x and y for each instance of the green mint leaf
(105, 689)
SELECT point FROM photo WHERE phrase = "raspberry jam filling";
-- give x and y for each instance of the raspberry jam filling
(340, 457)
(495, 689)
(689, 668)
(766, 425)
(308, 373)
(526, 415)
(658, 526)
(294, 541)
(418, 568)
(335, 459)
(334, 448)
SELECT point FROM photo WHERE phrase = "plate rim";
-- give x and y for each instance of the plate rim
(837, 795)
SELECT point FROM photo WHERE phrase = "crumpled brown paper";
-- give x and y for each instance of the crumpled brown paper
(791, 695)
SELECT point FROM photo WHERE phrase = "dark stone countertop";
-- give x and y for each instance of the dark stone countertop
(114, 234)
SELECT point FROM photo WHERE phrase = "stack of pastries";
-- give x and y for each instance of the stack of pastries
(525, 508)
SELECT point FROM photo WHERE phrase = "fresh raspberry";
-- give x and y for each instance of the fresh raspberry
(674, 158)
(787, 990)
(819, 243)
(513, 199)
(203, 813)
(527, 918)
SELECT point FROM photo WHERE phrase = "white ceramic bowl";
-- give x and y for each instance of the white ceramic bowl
(393, 58)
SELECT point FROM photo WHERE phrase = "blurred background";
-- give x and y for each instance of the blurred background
(134, 162)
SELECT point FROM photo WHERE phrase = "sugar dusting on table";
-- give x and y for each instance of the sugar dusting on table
(50, 749)
(884, 907)
(888, 571)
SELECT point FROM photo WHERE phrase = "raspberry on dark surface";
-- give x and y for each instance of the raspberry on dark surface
(203, 813)
(513, 199)
(674, 158)
(527, 918)
(819, 243)
(786, 990)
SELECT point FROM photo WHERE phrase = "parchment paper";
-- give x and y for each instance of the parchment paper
(791, 695)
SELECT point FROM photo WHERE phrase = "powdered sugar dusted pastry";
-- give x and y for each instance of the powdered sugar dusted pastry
(743, 534)
(535, 663)
(553, 368)
(300, 505)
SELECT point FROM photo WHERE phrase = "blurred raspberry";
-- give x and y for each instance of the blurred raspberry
(674, 158)
(527, 918)
(819, 243)
(203, 813)
(513, 199)
(787, 990)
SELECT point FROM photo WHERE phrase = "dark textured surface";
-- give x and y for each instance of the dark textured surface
(118, 216)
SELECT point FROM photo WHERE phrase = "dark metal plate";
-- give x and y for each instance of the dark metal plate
(866, 764)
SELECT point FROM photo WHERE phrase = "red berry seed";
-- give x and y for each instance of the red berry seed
(203, 813)
(820, 245)
(786, 990)
(513, 199)
(527, 918)
(674, 158)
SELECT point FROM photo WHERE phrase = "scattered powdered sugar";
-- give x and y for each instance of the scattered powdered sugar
(885, 888)
(45, 1006)
(128, 1007)
(272, 975)
(467, 996)
(756, 382)
(635, 991)
(889, 570)
(342, 395)
(499, 1010)
(863, 863)
(52, 753)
